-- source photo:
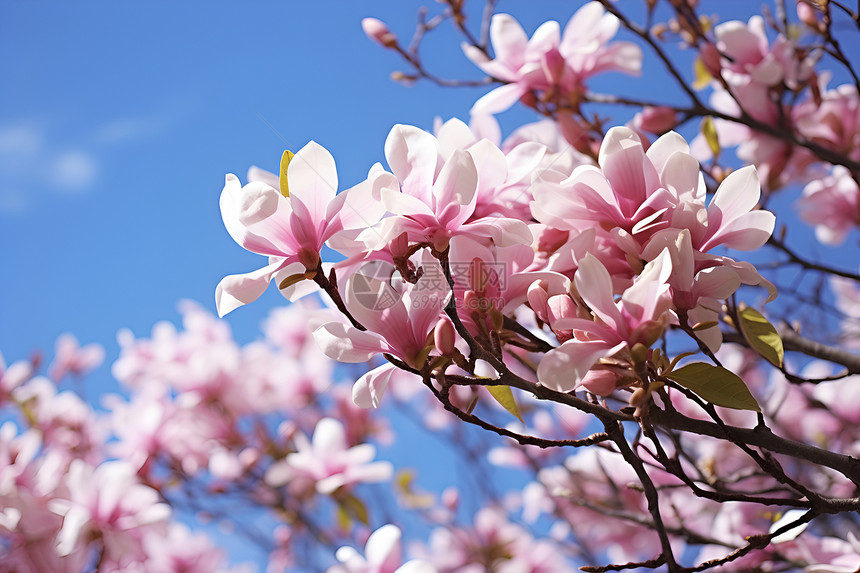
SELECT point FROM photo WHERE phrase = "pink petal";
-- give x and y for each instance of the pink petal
(563, 368)
(257, 217)
(411, 154)
(346, 343)
(509, 40)
(456, 183)
(383, 547)
(237, 290)
(312, 177)
(499, 99)
(368, 390)
(594, 285)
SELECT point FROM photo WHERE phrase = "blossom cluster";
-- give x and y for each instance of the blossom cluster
(776, 84)
(549, 287)
(635, 226)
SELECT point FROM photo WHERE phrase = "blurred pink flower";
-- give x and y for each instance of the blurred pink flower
(327, 463)
(551, 61)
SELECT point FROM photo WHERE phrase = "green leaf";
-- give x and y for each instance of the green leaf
(761, 334)
(716, 385)
(700, 326)
(354, 507)
(709, 130)
(344, 521)
(702, 76)
(681, 357)
(285, 162)
(505, 397)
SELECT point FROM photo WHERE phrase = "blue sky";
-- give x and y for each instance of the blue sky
(119, 121)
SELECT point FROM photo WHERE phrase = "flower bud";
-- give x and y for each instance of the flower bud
(444, 336)
(451, 498)
(377, 31)
(807, 14)
(600, 382)
(639, 353)
(657, 120)
(472, 301)
(711, 59)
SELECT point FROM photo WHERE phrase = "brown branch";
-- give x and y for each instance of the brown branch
(793, 341)
(650, 564)
(443, 396)
(764, 438)
(652, 496)
(796, 259)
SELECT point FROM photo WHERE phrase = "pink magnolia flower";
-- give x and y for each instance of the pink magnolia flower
(639, 317)
(68, 424)
(398, 322)
(12, 376)
(109, 502)
(327, 463)
(382, 554)
(742, 53)
(657, 120)
(757, 73)
(832, 204)
(629, 189)
(291, 229)
(551, 61)
(439, 193)
(71, 358)
(180, 551)
(847, 300)
(831, 120)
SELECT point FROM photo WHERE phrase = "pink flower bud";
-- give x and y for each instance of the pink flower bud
(711, 59)
(444, 336)
(539, 299)
(807, 14)
(600, 382)
(377, 31)
(451, 498)
(657, 120)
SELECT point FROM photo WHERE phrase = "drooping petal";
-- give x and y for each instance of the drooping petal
(346, 343)
(563, 368)
(236, 290)
(499, 99)
(368, 390)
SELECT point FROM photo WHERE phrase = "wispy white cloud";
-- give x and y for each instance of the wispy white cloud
(73, 171)
(38, 159)
(33, 167)
(131, 129)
